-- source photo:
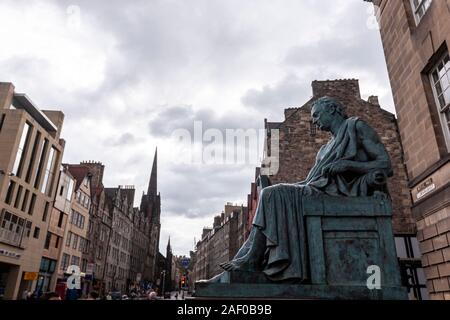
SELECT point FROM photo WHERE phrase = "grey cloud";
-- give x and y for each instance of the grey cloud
(203, 190)
(184, 116)
(125, 139)
(290, 91)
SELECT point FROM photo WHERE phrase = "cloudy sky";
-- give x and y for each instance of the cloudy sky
(128, 74)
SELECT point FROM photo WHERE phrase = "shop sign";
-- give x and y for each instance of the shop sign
(10, 254)
(31, 276)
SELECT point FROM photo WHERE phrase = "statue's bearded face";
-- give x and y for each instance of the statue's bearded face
(322, 117)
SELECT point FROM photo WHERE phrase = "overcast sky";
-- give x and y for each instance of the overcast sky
(128, 73)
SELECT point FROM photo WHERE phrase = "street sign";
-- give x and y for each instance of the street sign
(30, 276)
(185, 262)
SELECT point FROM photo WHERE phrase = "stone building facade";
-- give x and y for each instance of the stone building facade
(100, 225)
(201, 262)
(120, 241)
(76, 243)
(30, 157)
(140, 239)
(54, 243)
(220, 243)
(415, 36)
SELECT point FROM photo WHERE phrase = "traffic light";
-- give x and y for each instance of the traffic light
(183, 281)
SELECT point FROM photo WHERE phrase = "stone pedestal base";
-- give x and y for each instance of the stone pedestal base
(298, 292)
(347, 238)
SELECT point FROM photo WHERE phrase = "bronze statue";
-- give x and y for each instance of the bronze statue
(354, 163)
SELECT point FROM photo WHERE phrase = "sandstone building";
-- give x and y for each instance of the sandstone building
(30, 157)
(415, 36)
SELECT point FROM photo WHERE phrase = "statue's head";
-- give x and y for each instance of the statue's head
(325, 111)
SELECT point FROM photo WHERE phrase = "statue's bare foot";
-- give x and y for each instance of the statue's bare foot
(220, 278)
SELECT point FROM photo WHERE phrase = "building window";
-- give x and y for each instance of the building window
(77, 219)
(28, 229)
(70, 190)
(83, 265)
(57, 242)
(18, 196)
(20, 155)
(32, 203)
(36, 233)
(33, 156)
(420, 7)
(11, 228)
(75, 241)
(2, 120)
(47, 240)
(40, 164)
(25, 200)
(413, 276)
(49, 172)
(64, 261)
(69, 239)
(60, 220)
(10, 192)
(46, 208)
(440, 80)
(75, 261)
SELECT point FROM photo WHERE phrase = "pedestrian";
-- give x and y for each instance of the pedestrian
(25, 295)
(176, 296)
(152, 295)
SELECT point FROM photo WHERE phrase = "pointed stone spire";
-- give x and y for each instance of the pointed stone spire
(152, 186)
(169, 248)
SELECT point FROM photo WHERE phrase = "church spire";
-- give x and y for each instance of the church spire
(152, 186)
(169, 248)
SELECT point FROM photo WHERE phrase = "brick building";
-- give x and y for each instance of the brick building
(30, 156)
(300, 141)
(415, 36)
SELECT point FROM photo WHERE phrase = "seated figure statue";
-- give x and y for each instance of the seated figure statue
(354, 163)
